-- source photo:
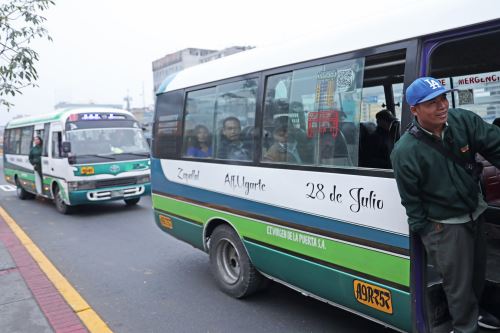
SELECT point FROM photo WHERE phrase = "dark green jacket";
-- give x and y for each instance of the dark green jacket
(35, 157)
(432, 185)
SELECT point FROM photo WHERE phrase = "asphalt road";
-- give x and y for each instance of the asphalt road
(141, 280)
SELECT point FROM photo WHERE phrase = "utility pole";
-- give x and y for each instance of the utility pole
(127, 100)
(143, 97)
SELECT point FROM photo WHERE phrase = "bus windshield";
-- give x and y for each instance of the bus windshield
(107, 141)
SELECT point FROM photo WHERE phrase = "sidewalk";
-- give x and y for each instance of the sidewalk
(29, 302)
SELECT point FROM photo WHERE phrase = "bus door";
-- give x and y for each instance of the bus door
(44, 134)
(470, 62)
(58, 165)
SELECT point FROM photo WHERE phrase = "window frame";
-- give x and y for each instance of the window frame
(410, 74)
(253, 160)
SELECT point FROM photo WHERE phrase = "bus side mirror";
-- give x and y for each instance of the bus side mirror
(66, 147)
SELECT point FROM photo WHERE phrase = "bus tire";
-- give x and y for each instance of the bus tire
(132, 202)
(230, 265)
(61, 206)
(21, 192)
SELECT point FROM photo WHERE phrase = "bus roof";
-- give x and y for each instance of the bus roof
(417, 19)
(59, 115)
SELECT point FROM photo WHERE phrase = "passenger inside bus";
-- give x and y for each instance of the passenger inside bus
(231, 145)
(334, 143)
(200, 143)
(496, 122)
(284, 147)
(378, 145)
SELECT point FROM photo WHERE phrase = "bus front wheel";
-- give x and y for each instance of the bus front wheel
(61, 206)
(21, 192)
(230, 264)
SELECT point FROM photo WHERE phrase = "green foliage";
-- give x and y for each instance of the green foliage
(20, 24)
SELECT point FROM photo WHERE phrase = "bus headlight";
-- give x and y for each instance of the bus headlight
(78, 186)
(143, 179)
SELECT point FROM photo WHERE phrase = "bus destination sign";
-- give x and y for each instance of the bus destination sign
(101, 116)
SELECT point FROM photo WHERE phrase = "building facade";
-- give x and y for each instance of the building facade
(177, 61)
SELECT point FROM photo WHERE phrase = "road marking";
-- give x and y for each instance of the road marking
(87, 315)
(7, 188)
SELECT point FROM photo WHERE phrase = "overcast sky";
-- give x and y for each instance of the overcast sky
(102, 50)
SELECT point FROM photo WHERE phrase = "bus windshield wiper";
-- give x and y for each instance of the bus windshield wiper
(96, 155)
(145, 154)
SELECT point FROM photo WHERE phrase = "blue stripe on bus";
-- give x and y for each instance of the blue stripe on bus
(161, 184)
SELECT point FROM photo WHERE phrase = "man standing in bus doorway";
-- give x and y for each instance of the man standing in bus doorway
(437, 178)
(35, 158)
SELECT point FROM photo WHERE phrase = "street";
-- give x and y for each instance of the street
(141, 280)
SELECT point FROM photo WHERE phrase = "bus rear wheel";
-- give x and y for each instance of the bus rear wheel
(21, 192)
(61, 206)
(230, 264)
(132, 202)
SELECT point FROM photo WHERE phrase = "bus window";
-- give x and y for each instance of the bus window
(374, 100)
(326, 115)
(16, 141)
(6, 143)
(316, 121)
(397, 89)
(167, 128)
(199, 124)
(26, 140)
(45, 137)
(235, 120)
(56, 144)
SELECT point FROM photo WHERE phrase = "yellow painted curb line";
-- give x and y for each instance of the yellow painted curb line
(87, 315)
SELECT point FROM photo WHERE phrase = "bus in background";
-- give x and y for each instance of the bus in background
(89, 155)
(265, 160)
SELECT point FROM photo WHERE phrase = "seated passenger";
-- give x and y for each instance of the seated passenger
(333, 150)
(201, 143)
(379, 144)
(496, 122)
(231, 146)
(284, 148)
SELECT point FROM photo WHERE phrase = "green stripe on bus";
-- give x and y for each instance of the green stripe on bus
(329, 283)
(368, 261)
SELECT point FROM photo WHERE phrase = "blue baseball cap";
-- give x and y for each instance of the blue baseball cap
(424, 89)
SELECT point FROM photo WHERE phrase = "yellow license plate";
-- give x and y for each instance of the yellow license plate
(373, 296)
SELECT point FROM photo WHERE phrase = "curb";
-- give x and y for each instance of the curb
(62, 305)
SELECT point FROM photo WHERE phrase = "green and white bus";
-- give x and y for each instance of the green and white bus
(310, 200)
(89, 155)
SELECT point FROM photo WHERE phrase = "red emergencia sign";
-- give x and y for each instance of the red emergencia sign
(322, 122)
